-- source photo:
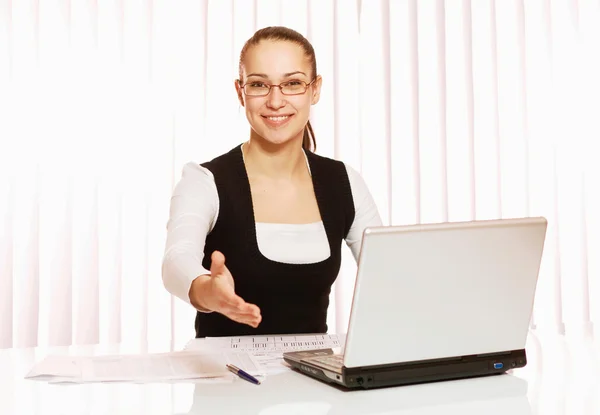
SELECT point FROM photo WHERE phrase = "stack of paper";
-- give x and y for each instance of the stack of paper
(160, 367)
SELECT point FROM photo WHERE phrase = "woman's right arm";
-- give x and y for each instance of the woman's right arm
(193, 211)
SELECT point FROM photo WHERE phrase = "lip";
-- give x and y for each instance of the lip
(273, 123)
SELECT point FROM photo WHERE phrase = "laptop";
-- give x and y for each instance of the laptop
(436, 302)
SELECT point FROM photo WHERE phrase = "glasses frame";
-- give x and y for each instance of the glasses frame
(271, 86)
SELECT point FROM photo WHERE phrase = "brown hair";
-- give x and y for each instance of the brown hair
(285, 34)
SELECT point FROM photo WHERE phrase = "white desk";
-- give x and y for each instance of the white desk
(561, 378)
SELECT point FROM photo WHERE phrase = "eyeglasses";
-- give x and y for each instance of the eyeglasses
(261, 89)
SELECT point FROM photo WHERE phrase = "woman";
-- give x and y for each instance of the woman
(254, 236)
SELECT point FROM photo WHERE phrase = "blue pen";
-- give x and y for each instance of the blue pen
(246, 376)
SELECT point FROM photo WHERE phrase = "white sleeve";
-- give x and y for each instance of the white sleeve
(365, 211)
(193, 213)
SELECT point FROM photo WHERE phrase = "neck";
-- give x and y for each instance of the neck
(282, 161)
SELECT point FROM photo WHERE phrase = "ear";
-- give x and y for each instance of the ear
(239, 91)
(316, 90)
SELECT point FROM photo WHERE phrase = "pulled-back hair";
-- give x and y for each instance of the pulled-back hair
(280, 33)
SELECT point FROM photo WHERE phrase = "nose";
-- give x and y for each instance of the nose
(275, 99)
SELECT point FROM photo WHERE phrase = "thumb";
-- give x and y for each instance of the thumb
(217, 265)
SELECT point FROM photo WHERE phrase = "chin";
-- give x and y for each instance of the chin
(276, 143)
(269, 138)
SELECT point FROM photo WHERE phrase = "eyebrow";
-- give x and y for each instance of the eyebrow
(262, 75)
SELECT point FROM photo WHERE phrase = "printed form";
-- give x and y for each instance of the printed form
(268, 350)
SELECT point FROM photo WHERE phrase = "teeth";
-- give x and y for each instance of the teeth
(285, 117)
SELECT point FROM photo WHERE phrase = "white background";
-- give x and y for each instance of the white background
(451, 110)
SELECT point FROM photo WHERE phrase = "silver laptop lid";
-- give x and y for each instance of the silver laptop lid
(444, 290)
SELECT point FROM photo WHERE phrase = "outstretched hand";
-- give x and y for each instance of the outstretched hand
(218, 294)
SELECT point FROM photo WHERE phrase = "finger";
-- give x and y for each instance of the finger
(233, 302)
(231, 299)
(244, 309)
(240, 306)
(244, 319)
(248, 308)
(217, 265)
(253, 322)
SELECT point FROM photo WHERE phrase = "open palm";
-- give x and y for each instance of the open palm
(219, 295)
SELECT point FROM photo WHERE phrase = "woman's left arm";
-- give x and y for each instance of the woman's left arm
(365, 211)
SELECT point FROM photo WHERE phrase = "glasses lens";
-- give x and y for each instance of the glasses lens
(256, 88)
(293, 87)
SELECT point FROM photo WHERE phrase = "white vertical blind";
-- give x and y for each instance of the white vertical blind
(451, 110)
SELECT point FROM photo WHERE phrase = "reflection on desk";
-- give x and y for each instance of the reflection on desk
(561, 378)
(295, 393)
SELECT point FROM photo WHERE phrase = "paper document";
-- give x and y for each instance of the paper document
(157, 367)
(276, 343)
(268, 350)
(53, 367)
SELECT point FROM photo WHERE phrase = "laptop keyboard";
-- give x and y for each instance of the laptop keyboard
(333, 360)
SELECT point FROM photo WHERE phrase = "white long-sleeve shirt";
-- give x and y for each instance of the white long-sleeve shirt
(193, 213)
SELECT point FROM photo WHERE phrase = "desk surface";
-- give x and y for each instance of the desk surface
(562, 377)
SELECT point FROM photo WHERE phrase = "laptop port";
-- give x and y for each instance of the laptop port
(359, 380)
(498, 365)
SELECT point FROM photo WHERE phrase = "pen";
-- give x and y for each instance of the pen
(242, 374)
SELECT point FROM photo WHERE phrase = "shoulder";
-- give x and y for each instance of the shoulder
(323, 160)
(354, 177)
(327, 169)
(358, 187)
(194, 178)
(194, 171)
(222, 160)
(356, 180)
(353, 174)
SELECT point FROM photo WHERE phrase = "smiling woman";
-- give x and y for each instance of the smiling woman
(289, 58)
(271, 207)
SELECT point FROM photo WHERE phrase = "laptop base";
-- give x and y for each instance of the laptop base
(406, 373)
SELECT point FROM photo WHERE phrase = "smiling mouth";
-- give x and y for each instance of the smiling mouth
(278, 118)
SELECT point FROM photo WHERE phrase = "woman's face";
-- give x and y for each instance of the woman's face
(276, 117)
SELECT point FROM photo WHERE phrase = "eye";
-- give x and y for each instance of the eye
(294, 83)
(257, 84)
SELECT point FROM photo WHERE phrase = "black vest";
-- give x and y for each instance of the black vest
(293, 298)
